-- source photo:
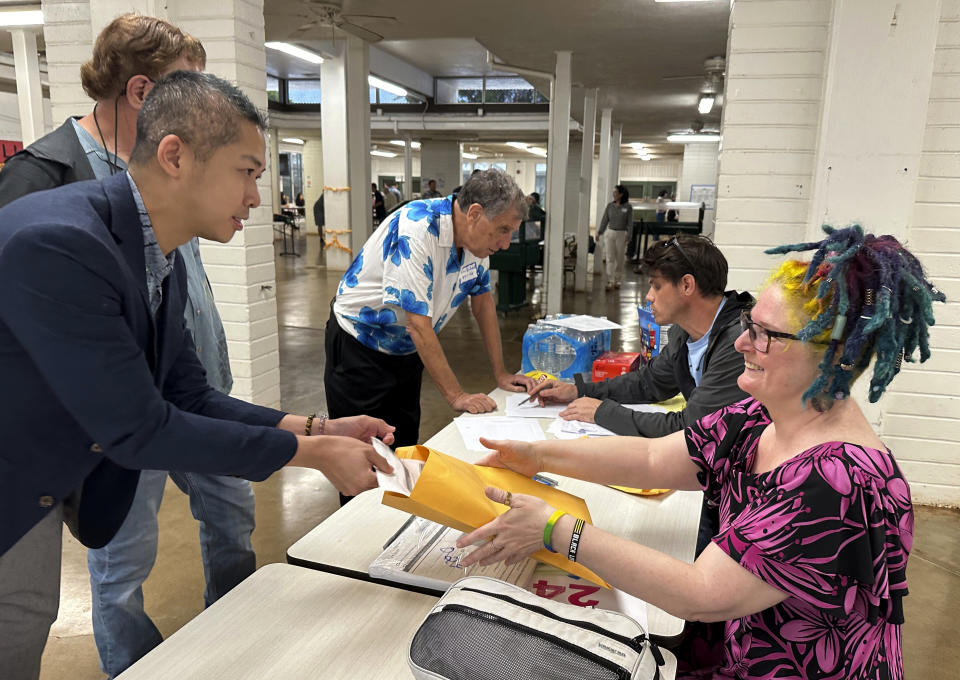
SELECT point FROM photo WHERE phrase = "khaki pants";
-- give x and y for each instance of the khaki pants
(614, 252)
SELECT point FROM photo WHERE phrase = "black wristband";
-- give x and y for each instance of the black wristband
(575, 540)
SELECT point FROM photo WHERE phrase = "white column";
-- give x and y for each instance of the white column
(557, 148)
(699, 168)
(586, 183)
(241, 272)
(273, 150)
(872, 119)
(440, 160)
(407, 167)
(336, 167)
(357, 54)
(604, 186)
(29, 96)
(616, 136)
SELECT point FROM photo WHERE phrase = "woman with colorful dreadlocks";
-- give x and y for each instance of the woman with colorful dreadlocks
(808, 571)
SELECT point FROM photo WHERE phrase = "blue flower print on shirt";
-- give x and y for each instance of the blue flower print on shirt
(407, 300)
(437, 326)
(378, 330)
(453, 261)
(476, 286)
(350, 276)
(428, 270)
(432, 209)
(418, 210)
(395, 247)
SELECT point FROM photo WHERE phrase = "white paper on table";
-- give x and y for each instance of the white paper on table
(556, 429)
(531, 409)
(632, 606)
(645, 408)
(405, 472)
(584, 322)
(581, 428)
(496, 427)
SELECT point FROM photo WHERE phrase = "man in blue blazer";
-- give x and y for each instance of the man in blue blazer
(101, 378)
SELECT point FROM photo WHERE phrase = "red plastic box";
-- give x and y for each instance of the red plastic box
(612, 364)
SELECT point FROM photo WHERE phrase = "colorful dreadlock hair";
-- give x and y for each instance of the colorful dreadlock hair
(867, 293)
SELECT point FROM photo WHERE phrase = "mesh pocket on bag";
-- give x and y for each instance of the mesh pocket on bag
(461, 643)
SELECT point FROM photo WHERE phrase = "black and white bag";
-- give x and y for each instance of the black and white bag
(485, 629)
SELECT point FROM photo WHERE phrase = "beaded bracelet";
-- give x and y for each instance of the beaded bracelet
(575, 540)
(548, 529)
(307, 430)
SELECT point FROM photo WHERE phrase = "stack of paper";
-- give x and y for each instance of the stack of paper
(574, 429)
(496, 427)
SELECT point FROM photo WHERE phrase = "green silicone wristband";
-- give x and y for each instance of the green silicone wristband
(548, 529)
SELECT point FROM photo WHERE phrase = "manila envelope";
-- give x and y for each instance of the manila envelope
(450, 492)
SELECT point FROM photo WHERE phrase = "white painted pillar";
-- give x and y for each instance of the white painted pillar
(604, 187)
(699, 168)
(273, 150)
(867, 165)
(615, 138)
(586, 183)
(557, 148)
(407, 166)
(241, 272)
(336, 167)
(29, 96)
(440, 160)
(357, 68)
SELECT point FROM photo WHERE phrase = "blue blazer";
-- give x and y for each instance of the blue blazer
(95, 389)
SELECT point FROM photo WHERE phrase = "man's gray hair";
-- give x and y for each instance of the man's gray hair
(495, 191)
(199, 108)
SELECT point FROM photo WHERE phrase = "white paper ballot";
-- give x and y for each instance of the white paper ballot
(574, 429)
(531, 409)
(496, 427)
(405, 472)
(584, 322)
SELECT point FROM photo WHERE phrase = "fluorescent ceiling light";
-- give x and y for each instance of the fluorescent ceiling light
(400, 142)
(471, 156)
(705, 105)
(295, 51)
(384, 154)
(645, 157)
(22, 18)
(681, 0)
(537, 151)
(385, 86)
(686, 139)
(292, 140)
(518, 145)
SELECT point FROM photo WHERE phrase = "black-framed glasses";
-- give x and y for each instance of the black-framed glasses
(760, 336)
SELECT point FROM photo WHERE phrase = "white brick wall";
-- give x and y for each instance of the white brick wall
(921, 410)
(777, 64)
(69, 43)
(241, 272)
(699, 167)
(771, 114)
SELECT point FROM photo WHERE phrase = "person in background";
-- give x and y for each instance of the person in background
(379, 209)
(808, 571)
(300, 201)
(614, 227)
(404, 286)
(662, 201)
(284, 200)
(319, 219)
(431, 191)
(93, 338)
(130, 54)
(390, 199)
(535, 211)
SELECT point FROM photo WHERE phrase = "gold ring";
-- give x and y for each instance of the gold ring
(509, 500)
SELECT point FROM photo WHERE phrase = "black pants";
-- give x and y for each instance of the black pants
(362, 381)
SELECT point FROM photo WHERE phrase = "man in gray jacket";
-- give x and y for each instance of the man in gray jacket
(687, 279)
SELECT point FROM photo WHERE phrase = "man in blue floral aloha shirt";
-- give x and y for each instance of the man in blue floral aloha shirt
(405, 284)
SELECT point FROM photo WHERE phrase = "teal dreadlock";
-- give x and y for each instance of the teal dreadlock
(874, 299)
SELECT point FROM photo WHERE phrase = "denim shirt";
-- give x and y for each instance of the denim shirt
(158, 265)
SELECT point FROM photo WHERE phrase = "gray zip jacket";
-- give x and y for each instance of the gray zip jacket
(668, 373)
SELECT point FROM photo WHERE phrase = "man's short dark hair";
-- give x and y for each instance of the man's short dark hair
(688, 254)
(199, 108)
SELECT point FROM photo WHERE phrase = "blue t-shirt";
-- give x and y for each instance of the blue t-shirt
(696, 349)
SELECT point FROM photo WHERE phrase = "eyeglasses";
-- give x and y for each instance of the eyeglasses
(675, 242)
(760, 336)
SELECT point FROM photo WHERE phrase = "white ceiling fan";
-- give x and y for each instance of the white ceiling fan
(329, 15)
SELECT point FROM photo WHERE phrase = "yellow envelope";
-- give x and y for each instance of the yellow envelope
(450, 492)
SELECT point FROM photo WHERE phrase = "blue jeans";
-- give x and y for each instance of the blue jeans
(224, 508)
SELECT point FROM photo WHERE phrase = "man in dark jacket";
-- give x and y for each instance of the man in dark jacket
(687, 279)
(101, 374)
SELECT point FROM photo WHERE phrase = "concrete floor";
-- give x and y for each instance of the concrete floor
(293, 501)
